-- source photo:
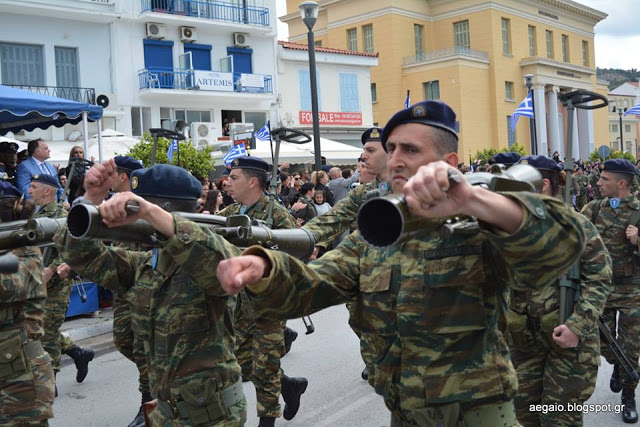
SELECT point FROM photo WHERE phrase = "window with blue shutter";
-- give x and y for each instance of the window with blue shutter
(158, 59)
(305, 90)
(349, 101)
(200, 55)
(22, 64)
(66, 67)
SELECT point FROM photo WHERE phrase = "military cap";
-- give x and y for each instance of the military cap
(8, 147)
(508, 158)
(128, 163)
(165, 181)
(9, 191)
(326, 168)
(371, 134)
(23, 155)
(247, 162)
(619, 166)
(45, 179)
(541, 163)
(430, 113)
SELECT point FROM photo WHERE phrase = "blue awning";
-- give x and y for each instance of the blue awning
(24, 110)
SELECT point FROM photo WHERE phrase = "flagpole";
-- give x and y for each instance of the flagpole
(532, 120)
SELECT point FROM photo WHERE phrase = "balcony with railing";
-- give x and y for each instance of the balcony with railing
(79, 94)
(203, 81)
(456, 52)
(210, 9)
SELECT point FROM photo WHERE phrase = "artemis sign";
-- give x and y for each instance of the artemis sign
(327, 118)
(213, 80)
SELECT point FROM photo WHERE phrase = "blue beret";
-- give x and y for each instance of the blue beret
(128, 163)
(326, 168)
(45, 179)
(541, 163)
(619, 166)
(507, 158)
(430, 113)
(165, 181)
(246, 162)
(371, 134)
(8, 191)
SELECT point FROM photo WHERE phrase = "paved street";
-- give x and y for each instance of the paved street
(329, 358)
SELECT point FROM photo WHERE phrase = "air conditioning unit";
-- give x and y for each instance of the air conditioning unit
(241, 39)
(204, 134)
(106, 100)
(188, 34)
(155, 31)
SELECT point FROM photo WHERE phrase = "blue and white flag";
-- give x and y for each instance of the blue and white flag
(173, 147)
(237, 151)
(634, 110)
(407, 100)
(524, 109)
(263, 134)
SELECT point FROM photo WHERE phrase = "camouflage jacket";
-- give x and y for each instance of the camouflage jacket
(430, 308)
(342, 217)
(611, 224)
(260, 210)
(52, 210)
(178, 308)
(595, 285)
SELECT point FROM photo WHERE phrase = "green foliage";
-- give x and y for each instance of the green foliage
(484, 155)
(198, 162)
(617, 77)
(595, 157)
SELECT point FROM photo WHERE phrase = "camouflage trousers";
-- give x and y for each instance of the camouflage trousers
(237, 418)
(366, 352)
(259, 347)
(55, 310)
(26, 385)
(626, 333)
(550, 375)
(459, 414)
(126, 342)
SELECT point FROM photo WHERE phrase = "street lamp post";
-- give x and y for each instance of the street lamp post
(620, 111)
(528, 80)
(309, 13)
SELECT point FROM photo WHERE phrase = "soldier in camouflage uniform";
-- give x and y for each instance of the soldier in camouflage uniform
(26, 375)
(43, 190)
(558, 364)
(581, 183)
(342, 217)
(178, 308)
(260, 341)
(431, 308)
(616, 217)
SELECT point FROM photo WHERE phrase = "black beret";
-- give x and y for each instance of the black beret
(371, 134)
(45, 179)
(430, 113)
(9, 191)
(507, 158)
(247, 162)
(8, 147)
(541, 163)
(128, 163)
(619, 166)
(165, 181)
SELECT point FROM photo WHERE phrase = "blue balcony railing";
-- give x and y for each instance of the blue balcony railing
(210, 9)
(180, 79)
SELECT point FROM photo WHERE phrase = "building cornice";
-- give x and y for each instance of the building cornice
(538, 60)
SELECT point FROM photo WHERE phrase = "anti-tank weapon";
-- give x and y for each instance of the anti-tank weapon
(386, 221)
(29, 232)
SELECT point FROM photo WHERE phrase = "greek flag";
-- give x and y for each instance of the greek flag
(407, 100)
(634, 110)
(173, 147)
(524, 109)
(235, 152)
(263, 134)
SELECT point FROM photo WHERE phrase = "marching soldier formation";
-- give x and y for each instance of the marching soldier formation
(456, 330)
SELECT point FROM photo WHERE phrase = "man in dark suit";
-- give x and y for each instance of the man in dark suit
(35, 165)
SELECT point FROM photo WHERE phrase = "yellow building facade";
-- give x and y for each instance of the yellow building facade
(473, 55)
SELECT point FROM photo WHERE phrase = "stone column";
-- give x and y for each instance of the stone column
(575, 147)
(586, 133)
(541, 119)
(555, 137)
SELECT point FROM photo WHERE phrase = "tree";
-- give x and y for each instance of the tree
(198, 162)
(484, 155)
(595, 157)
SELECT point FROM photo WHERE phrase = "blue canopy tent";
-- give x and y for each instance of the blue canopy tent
(24, 110)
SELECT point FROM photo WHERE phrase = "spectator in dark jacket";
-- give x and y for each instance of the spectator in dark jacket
(304, 208)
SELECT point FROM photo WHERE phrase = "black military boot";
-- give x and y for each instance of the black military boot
(138, 421)
(289, 337)
(292, 389)
(267, 422)
(365, 373)
(614, 384)
(629, 414)
(81, 357)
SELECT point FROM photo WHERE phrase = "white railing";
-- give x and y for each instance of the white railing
(444, 53)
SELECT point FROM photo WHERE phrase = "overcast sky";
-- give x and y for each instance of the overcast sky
(617, 37)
